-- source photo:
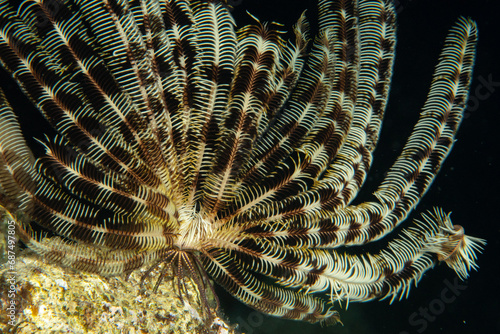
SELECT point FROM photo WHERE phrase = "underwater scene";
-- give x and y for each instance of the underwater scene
(237, 166)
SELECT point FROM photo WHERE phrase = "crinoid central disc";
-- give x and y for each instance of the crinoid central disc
(194, 229)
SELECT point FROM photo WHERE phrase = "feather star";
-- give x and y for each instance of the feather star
(225, 153)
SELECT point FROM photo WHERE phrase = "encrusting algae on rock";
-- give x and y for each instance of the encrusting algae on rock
(52, 299)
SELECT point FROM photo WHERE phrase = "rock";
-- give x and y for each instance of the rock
(52, 299)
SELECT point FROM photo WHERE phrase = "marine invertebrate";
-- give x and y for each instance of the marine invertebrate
(235, 153)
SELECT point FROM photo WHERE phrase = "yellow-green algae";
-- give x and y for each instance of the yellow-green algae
(52, 299)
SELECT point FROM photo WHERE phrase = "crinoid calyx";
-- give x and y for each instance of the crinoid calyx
(232, 153)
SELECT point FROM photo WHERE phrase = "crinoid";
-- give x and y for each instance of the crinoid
(183, 263)
(236, 154)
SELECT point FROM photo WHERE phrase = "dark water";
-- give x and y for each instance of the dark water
(467, 184)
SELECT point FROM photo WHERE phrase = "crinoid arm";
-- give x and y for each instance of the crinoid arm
(295, 239)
